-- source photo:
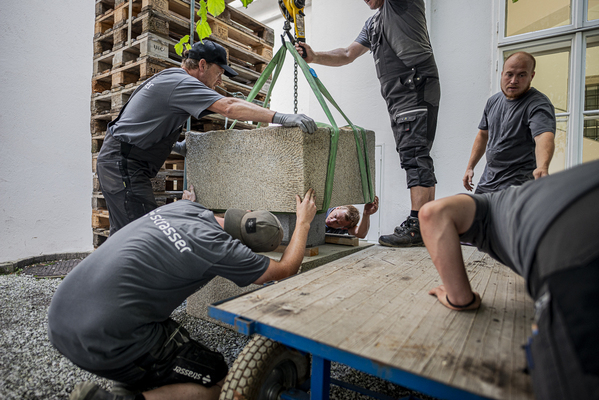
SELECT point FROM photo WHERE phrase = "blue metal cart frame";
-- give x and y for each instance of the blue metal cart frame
(322, 355)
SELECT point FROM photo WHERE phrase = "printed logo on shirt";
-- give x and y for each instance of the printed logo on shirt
(169, 231)
(194, 375)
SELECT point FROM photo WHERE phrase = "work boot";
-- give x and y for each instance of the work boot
(91, 391)
(122, 389)
(405, 235)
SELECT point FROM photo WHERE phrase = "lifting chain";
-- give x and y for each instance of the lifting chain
(295, 82)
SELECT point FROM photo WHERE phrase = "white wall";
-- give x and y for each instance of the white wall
(46, 51)
(464, 42)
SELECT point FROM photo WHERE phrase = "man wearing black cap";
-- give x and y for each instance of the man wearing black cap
(110, 315)
(140, 139)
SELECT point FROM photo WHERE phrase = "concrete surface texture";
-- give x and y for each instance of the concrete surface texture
(316, 234)
(265, 168)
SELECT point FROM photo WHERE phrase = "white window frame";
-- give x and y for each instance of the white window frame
(576, 35)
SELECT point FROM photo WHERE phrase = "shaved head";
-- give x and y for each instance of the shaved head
(523, 56)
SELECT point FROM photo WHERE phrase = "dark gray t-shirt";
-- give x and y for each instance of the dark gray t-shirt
(162, 106)
(512, 126)
(510, 223)
(404, 27)
(106, 312)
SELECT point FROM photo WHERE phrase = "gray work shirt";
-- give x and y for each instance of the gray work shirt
(512, 126)
(404, 27)
(162, 106)
(510, 223)
(106, 312)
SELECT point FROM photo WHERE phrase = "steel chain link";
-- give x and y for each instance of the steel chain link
(295, 82)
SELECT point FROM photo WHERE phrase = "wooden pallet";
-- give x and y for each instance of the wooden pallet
(132, 72)
(100, 219)
(129, 50)
(249, 43)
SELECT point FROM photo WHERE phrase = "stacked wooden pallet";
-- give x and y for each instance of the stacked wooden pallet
(129, 49)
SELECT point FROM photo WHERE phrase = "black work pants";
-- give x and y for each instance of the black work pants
(126, 186)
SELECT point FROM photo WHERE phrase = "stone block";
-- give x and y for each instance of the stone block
(316, 234)
(265, 168)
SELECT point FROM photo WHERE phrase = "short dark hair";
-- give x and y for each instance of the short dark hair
(525, 54)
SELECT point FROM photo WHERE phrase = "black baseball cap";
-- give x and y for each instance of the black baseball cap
(212, 53)
(259, 230)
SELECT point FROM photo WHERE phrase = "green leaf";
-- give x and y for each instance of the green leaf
(183, 42)
(215, 7)
(203, 29)
(246, 3)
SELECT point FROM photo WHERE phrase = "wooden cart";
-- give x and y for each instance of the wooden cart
(371, 311)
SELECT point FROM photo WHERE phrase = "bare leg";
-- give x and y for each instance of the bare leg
(421, 195)
(441, 223)
(185, 391)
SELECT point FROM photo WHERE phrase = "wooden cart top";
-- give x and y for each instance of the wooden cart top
(375, 304)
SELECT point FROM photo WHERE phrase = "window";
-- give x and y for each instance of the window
(531, 16)
(593, 10)
(590, 142)
(563, 35)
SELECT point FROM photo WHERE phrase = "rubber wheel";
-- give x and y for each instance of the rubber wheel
(263, 370)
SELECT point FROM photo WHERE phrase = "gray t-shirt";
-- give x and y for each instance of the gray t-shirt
(161, 107)
(510, 223)
(106, 312)
(512, 126)
(404, 27)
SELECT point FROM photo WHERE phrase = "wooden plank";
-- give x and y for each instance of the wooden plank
(376, 304)
(100, 219)
(308, 251)
(346, 240)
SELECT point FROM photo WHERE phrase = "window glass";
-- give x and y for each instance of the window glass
(558, 162)
(590, 142)
(534, 15)
(593, 11)
(552, 76)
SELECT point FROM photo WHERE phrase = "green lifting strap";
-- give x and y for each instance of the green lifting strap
(321, 93)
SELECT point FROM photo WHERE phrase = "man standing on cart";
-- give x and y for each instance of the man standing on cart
(398, 39)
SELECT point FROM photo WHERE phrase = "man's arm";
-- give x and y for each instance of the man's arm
(441, 223)
(478, 149)
(294, 253)
(361, 230)
(545, 146)
(234, 108)
(332, 58)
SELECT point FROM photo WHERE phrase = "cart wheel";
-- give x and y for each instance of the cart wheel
(263, 370)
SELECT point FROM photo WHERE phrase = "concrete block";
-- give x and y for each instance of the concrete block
(265, 168)
(316, 234)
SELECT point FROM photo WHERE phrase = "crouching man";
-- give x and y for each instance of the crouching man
(548, 232)
(110, 315)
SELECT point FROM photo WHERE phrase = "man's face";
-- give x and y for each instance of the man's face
(337, 219)
(516, 77)
(374, 4)
(212, 75)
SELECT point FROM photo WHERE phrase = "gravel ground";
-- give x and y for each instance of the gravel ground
(32, 369)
